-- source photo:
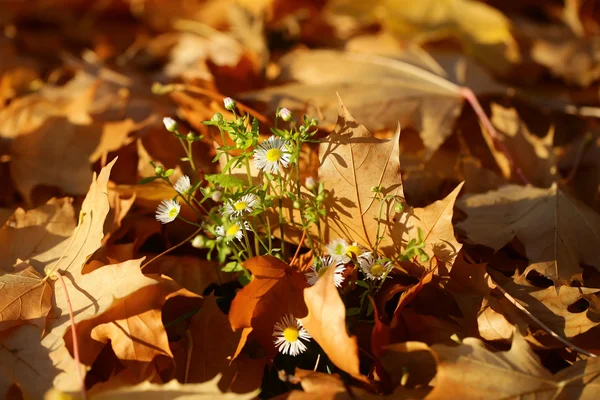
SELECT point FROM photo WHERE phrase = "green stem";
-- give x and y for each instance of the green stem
(281, 214)
(189, 222)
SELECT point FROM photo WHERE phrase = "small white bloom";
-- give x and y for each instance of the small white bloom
(229, 103)
(374, 269)
(289, 334)
(235, 230)
(183, 185)
(272, 154)
(310, 183)
(342, 251)
(170, 124)
(285, 114)
(167, 211)
(313, 275)
(246, 204)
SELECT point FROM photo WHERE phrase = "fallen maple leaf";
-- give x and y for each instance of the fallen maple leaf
(26, 299)
(37, 236)
(472, 371)
(173, 390)
(133, 325)
(213, 343)
(381, 91)
(435, 222)
(326, 324)
(532, 154)
(558, 232)
(352, 163)
(274, 291)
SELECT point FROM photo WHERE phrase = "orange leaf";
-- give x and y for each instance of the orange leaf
(326, 323)
(275, 290)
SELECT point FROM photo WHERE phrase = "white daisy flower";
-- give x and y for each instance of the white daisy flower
(167, 211)
(374, 269)
(183, 185)
(313, 275)
(234, 231)
(272, 155)
(246, 204)
(342, 251)
(289, 334)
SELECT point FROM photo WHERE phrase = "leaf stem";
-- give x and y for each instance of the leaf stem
(73, 334)
(468, 95)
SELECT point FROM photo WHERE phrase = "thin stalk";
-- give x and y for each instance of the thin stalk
(73, 334)
(281, 214)
(184, 241)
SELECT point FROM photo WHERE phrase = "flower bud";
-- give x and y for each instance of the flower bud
(216, 196)
(285, 114)
(199, 242)
(159, 170)
(170, 124)
(218, 117)
(314, 122)
(229, 103)
(310, 183)
(190, 137)
(399, 207)
(320, 198)
(297, 205)
(239, 142)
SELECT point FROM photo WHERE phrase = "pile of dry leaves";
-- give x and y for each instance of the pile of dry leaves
(455, 145)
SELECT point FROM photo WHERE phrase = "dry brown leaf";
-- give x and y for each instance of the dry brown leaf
(134, 327)
(472, 371)
(435, 221)
(173, 390)
(90, 294)
(26, 299)
(558, 232)
(380, 91)
(212, 345)
(193, 273)
(479, 26)
(352, 162)
(551, 306)
(326, 324)
(34, 235)
(274, 291)
(532, 154)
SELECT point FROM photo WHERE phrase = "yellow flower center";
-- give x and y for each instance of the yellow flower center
(173, 213)
(240, 205)
(353, 250)
(322, 271)
(273, 155)
(377, 270)
(232, 230)
(291, 334)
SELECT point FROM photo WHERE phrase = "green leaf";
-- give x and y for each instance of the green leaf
(147, 180)
(232, 266)
(352, 311)
(226, 181)
(169, 172)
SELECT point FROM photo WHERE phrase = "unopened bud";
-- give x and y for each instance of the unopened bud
(190, 137)
(170, 124)
(159, 170)
(229, 103)
(218, 117)
(297, 205)
(285, 114)
(216, 196)
(314, 122)
(199, 242)
(310, 183)
(399, 207)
